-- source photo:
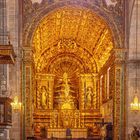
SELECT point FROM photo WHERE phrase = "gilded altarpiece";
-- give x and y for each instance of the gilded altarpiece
(46, 115)
(56, 107)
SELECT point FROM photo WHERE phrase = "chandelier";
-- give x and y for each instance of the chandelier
(135, 105)
(16, 105)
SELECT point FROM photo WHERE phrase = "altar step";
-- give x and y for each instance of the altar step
(89, 138)
(93, 138)
(70, 139)
(77, 139)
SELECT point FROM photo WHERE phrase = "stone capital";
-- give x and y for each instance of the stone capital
(120, 55)
(27, 54)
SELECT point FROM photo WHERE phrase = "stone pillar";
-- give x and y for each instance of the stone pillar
(6, 134)
(27, 94)
(95, 91)
(133, 66)
(99, 102)
(119, 117)
(1, 135)
(14, 71)
(82, 92)
(51, 85)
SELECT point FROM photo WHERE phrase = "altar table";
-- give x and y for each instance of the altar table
(61, 133)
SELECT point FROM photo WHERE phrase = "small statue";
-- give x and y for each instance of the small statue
(67, 88)
(44, 97)
(89, 97)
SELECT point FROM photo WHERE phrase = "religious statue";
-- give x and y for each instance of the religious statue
(44, 97)
(64, 97)
(89, 98)
(66, 85)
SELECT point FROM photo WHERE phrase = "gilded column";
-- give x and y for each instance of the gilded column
(95, 91)
(82, 92)
(50, 78)
(98, 92)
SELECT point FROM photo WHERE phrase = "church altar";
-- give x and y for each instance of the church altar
(61, 133)
(63, 106)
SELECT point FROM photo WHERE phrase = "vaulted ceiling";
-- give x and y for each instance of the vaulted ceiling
(72, 35)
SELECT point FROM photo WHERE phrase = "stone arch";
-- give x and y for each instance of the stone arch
(35, 20)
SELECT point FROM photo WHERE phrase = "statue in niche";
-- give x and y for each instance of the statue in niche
(89, 98)
(66, 85)
(64, 94)
(44, 97)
